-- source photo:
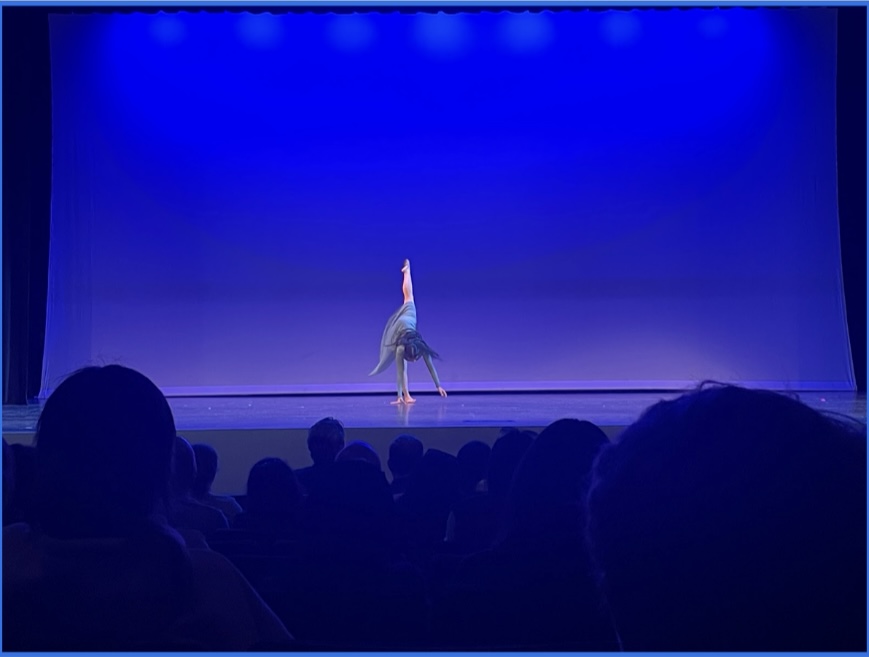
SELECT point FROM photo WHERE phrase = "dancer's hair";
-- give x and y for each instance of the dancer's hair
(414, 345)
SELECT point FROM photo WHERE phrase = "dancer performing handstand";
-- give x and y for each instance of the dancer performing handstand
(402, 342)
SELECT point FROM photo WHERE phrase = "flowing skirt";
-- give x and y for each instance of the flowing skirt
(403, 319)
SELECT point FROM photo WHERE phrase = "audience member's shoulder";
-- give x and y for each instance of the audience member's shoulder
(207, 561)
(19, 549)
(228, 603)
(191, 538)
(226, 504)
(19, 531)
(194, 515)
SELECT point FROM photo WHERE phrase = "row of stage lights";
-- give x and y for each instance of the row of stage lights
(437, 33)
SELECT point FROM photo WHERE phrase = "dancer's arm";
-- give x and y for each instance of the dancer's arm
(434, 375)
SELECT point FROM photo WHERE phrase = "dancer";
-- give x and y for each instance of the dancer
(402, 342)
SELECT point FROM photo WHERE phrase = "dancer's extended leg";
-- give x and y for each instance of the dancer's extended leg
(407, 283)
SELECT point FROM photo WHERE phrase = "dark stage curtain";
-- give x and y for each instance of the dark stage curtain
(851, 144)
(26, 198)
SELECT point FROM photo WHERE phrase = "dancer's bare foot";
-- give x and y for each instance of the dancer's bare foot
(397, 402)
(409, 400)
(405, 266)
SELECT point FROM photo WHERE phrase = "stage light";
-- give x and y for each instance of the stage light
(442, 35)
(259, 30)
(350, 32)
(168, 29)
(525, 32)
(713, 24)
(620, 28)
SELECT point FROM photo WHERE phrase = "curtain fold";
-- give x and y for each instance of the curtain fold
(26, 197)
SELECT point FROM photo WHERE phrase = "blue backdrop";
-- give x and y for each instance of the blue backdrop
(590, 199)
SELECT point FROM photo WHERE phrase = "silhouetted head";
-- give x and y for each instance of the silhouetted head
(733, 520)
(473, 462)
(414, 346)
(104, 447)
(506, 454)
(183, 473)
(434, 485)
(206, 468)
(272, 489)
(405, 454)
(325, 440)
(547, 493)
(352, 509)
(359, 450)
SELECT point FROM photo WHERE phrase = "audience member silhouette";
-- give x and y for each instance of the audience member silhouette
(473, 462)
(325, 440)
(182, 510)
(359, 450)
(424, 508)
(352, 513)
(206, 471)
(734, 520)
(547, 493)
(8, 480)
(274, 500)
(23, 493)
(405, 454)
(352, 572)
(96, 570)
(534, 589)
(507, 453)
(474, 523)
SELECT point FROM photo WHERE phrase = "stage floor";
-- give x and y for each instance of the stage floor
(246, 429)
(609, 409)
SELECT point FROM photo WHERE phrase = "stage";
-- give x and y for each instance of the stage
(246, 429)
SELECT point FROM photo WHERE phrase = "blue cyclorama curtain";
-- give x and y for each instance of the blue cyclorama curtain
(590, 199)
